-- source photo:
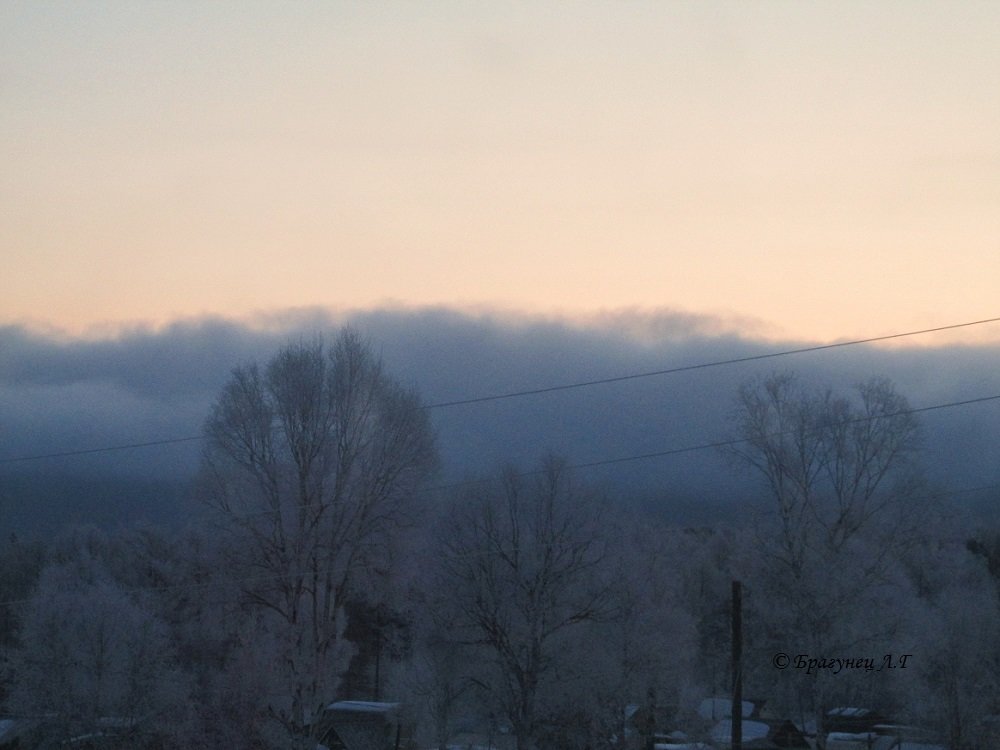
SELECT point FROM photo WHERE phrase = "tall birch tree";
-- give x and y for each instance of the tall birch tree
(311, 462)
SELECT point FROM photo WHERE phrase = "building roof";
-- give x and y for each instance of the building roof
(365, 707)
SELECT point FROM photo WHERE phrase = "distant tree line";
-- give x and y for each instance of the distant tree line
(524, 605)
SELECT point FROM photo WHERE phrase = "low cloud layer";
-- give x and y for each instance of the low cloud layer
(142, 386)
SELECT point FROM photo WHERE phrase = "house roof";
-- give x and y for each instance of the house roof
(366, 707)
(848, 712)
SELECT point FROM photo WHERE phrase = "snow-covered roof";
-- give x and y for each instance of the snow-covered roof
(855, 713)
(867, 740)
(370, 707)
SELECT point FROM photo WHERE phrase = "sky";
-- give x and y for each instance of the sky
(503, 196)
(807, 171)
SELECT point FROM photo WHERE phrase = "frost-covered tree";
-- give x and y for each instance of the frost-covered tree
(94, 660)
(953, 626)
(522, 561)
(437, 679)
(311, 462)
(647, 649)
(844, 492)
(21, 563)
(834, 465)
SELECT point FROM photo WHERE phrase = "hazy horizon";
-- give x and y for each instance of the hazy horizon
(60, 394)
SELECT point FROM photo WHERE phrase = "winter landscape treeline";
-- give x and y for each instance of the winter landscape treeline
(522, 609)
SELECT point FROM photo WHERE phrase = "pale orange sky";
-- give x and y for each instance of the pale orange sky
(829, 169)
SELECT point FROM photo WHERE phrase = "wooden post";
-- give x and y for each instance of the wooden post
(378, 663)
(736, 713)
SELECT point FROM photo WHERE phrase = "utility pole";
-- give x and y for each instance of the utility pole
(736, 712)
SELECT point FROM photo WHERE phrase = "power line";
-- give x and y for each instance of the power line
(704, 365)
(551, 389)
(735, 441)
(603, 462)
(714, 445)
(105, 449)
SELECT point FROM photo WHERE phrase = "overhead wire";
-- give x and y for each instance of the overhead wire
(104, 449)
(576, 466)
(714, 445)
(657, 454)
(547, 389)
(705, 365)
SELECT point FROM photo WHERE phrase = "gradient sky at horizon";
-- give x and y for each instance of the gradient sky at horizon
(816, 170)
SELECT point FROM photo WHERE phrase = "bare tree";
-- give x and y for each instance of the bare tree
(834, 466)
(439, 682)
(649, 651)
(840, 470)
(523, 565)
(310, 463)
(956, 629)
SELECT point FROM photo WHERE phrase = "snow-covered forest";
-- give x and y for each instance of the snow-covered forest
(521, 609)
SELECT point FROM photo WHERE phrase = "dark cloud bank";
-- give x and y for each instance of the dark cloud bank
(61, 394)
